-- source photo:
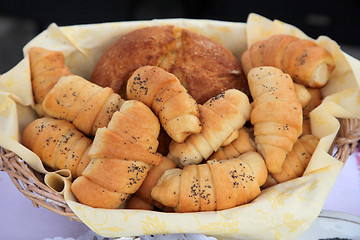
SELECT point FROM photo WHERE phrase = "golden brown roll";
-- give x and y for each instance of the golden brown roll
(315, 101)
(163, 93)
(305, 61)
(58, 144)
(276, 116)
(120, 157)
(142, 197)
(302, 94)
(242, 144)
(46, 67)
(205, 68)
(109, 169)
(215, 185)
(296, 161)
(60, 94)
(85, 104)
(220, 116)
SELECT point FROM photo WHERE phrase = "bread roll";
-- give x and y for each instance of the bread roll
(315, 101)
(242, 144)
(106, 174)
(302, 94)
(162, 92)
(142, 198)
(135, 202)
(215, 185)
(276, 116)
(87, 105)
(92, 194)
(220, 116)
(296, 161)
(46, 67)
(120, 157)
(306, 62)
(57, 143)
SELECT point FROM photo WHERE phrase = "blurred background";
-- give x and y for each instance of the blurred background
(21, 20)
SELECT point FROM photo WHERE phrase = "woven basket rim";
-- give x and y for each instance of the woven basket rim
(26, 181)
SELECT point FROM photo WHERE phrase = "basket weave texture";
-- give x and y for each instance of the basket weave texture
(30, 183)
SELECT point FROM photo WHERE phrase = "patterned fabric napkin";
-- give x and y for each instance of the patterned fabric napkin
(283, 211)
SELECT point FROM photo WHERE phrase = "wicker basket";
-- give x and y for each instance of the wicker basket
(30, 182)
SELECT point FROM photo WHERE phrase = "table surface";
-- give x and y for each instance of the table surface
(18, 212)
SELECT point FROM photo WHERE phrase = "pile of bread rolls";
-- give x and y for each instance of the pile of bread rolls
(226, 128)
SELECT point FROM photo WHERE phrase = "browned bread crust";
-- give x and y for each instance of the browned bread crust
(204, 67)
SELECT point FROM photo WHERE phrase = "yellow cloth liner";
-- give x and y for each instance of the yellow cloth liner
(283, 211)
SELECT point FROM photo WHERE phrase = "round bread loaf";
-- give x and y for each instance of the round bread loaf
(204, 67)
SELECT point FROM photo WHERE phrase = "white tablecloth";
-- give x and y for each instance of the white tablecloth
(19, 219)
